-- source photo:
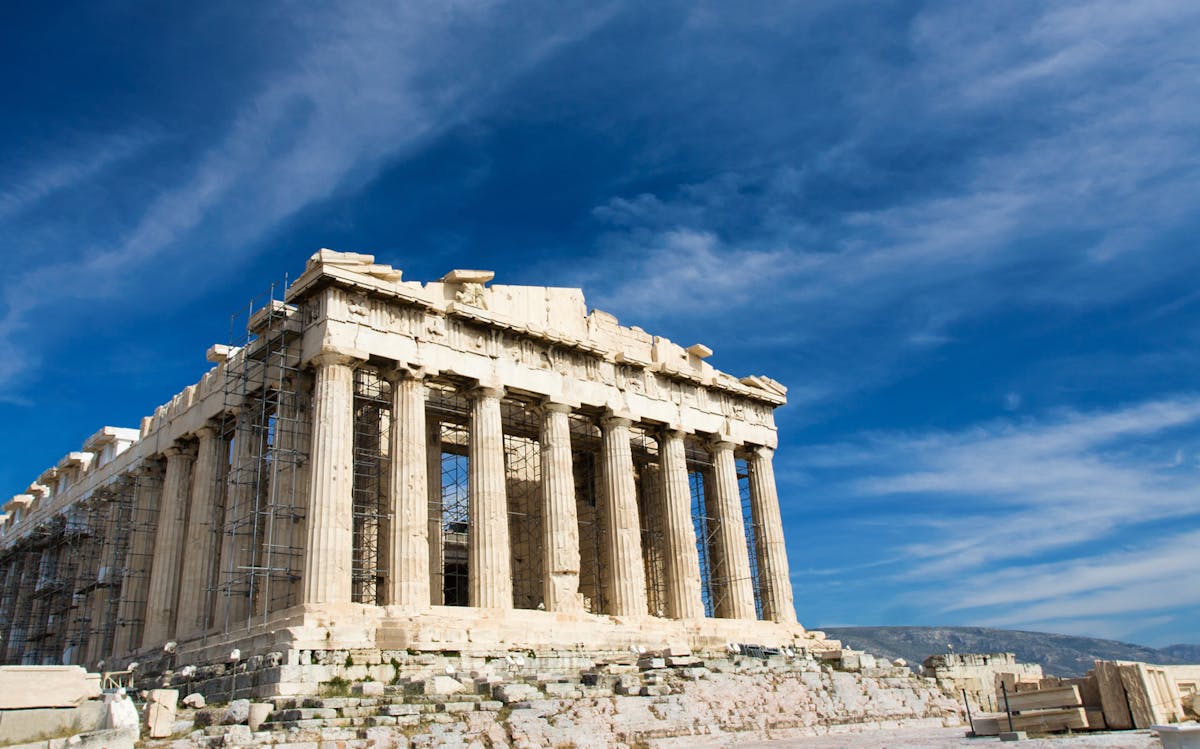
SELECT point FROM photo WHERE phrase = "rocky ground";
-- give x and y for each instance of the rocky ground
(668, 701)
(950, 738)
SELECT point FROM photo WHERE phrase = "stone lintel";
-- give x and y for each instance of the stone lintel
(699, 350)
(78, 459)
(219, 353)
(463, 275)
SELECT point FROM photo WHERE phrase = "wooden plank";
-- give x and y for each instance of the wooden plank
(1095, 719)
(1043, 699)
(1112, 696)
(1048, 721)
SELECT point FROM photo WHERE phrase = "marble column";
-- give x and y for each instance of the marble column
(436, 536)
(205, 523)
(560, 522)
(489, 569)
(168, 548)
(684, 599)
(131, 614)
(329, 535)
(408, 500)
(625, 577)
(238, 547)
(737, 601)
(770, 548)
(27, 567)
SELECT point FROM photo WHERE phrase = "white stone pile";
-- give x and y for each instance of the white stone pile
(651, 699)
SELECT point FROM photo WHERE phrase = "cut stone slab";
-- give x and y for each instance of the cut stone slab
(23, 687)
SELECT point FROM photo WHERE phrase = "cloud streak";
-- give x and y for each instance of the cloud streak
(1033, 522)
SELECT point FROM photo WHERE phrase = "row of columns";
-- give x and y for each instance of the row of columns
(186, 554)
(327, 569)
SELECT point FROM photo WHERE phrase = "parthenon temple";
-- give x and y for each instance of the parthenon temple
(378, 463)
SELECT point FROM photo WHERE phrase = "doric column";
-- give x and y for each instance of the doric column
(625, 577)
(684, 599)
(436, 537)
(774, 580)
(329, 538)
(238, 544)
(488, 563)
(737, 601)
(408, 503)
(204, 529)
(560, 524)
(168, 548)
(131, 615)
(22, 594)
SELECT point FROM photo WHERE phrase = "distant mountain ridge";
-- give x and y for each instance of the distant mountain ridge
(1059, 655)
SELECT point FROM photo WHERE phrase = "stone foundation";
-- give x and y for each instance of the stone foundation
(649, 699)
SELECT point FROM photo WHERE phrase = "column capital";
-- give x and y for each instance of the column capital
(675, 430)
(208, 431)
(180, 451)
(489, 390)
(556, 406)
(329, 357)
(610, 419)
(406, 371)
(721, 443)
(760, 451)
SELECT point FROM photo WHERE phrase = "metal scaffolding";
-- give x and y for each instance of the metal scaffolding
(593, 552)
(265, 421)
(447, 414)
(523, 486)
(699, 465)
(372, 424)
(648, 480)
(743, 478)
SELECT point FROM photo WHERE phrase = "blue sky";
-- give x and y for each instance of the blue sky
(962, 234)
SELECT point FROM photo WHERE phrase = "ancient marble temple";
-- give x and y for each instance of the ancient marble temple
(454, 465)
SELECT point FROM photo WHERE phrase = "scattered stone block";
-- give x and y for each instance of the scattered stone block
(160, 712)
(443, 685)
(511, 693)
(236, 712)
(194, 700)
(257, 715)
(368, 689)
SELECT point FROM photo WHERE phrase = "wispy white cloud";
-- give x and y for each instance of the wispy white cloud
(373, 84)
(1077, 516)
(1095, 161)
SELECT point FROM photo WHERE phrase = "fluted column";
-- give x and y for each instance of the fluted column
(560, 524)
(684, 599)
(204, 526)
(329, 539)
(738, 599)
(131, 615)
(489, 566)
(26, 575)
(769, 545)
(408, 542)
(168, 548)
(625, 577)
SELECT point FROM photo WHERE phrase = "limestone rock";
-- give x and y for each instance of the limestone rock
(443, 685)
(160, 712)
(237, 712)
(210, 716)
(194, 700)
(258, 713)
